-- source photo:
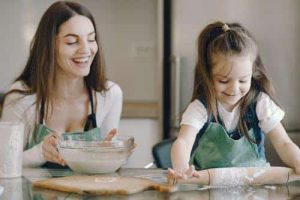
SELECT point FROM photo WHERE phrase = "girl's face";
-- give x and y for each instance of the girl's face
(76, 46)
(232, 78)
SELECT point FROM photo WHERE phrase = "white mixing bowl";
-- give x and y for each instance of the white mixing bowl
(95, 157)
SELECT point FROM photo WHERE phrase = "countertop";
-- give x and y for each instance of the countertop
(21, 188)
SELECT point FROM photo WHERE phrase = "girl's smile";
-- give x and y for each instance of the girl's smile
(232, 78)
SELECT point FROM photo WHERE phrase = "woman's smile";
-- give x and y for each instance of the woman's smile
(82, 62)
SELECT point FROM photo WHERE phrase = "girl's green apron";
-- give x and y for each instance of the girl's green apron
(214, 148)
(91, 131)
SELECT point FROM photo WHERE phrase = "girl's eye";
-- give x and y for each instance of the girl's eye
(243, 81)
(223, 81)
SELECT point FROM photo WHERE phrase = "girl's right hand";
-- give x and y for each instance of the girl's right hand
(50, 151)
(173, 175)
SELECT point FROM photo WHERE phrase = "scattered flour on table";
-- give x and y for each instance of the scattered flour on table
(105, 179)
(272, 187)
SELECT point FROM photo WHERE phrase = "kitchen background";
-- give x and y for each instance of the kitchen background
(156, 73)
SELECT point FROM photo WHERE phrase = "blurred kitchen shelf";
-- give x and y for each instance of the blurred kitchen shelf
(134, 109)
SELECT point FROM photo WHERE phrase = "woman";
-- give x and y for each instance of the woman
(63, 87)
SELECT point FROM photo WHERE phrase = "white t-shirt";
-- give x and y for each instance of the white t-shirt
(108, 112)
(268, 114)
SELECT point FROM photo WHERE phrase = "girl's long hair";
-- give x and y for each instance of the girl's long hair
(228, 39)
(40, 69)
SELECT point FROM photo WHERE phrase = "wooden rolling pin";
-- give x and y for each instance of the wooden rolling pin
(240, 176)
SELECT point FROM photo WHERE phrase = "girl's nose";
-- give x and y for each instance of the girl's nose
(234, 88)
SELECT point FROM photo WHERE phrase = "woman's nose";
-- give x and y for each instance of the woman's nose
(83, 47)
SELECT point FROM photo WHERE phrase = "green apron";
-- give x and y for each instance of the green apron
(41, 131)
(91, 131)
(216, 149)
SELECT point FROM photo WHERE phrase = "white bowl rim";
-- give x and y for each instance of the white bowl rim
(120, 143)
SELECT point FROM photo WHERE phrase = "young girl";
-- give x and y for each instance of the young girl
(232, 108)
(63, 88)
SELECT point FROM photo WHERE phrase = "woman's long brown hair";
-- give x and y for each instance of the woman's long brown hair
(236, 40)
(40, 69)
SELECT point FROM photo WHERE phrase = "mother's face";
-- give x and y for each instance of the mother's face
(76, 47)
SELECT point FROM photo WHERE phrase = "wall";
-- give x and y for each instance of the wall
(145, 134)
(128, 30)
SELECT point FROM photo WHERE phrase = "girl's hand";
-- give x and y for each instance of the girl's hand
(297, 165)
(189, 173)
(50, 151)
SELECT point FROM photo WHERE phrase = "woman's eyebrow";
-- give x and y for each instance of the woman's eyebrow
(70, 35)
(74, 35)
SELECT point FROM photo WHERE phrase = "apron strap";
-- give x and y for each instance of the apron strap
(42, 111)
(252, 122)
(91, 120)
(198, 136)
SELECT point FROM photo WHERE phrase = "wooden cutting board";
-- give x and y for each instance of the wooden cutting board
(102, 185)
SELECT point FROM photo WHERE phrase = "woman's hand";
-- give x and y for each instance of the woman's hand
(50, 151)
(112, 134)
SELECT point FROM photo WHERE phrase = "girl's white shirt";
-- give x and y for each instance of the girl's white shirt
(22, 108)
(268, 114)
